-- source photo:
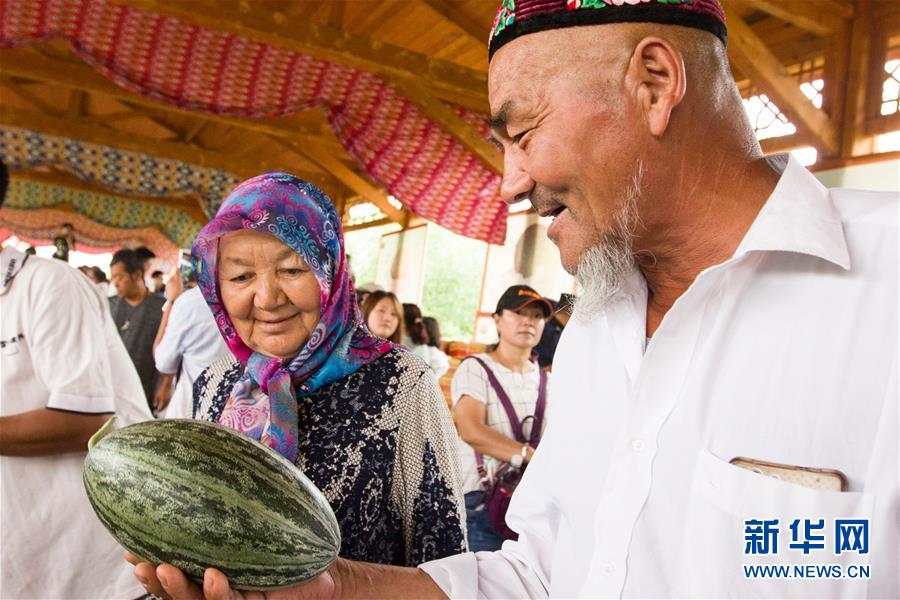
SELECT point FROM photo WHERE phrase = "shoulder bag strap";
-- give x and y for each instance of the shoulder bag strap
(504, 400)
(539, 409)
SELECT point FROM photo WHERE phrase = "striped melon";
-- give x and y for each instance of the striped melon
(198, 495)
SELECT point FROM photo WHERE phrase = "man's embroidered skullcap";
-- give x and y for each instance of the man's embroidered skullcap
(516, 18)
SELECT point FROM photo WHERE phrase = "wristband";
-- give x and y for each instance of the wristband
(516, 461)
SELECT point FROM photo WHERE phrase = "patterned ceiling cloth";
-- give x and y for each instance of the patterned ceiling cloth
(111, 211)
(38, 227)
(117, 170)
(174, 61)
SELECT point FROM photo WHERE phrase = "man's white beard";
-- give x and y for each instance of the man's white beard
(603, 267)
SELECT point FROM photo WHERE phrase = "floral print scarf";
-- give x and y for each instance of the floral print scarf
(301, 216)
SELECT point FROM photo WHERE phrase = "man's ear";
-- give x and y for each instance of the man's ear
(657, 81)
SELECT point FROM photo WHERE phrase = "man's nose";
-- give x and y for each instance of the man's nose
(516, 184)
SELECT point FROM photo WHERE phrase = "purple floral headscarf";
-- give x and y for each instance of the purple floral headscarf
(301, 216)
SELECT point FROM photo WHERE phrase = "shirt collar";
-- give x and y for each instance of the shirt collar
(799, 217)
(11, 262)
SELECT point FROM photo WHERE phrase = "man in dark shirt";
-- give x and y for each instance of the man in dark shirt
(137, 314)
(553, 328)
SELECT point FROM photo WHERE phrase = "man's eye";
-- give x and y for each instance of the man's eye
(518, 137)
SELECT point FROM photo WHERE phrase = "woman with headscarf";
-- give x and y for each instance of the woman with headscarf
(362, 417)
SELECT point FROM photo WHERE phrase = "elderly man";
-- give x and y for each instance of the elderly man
(727, 391)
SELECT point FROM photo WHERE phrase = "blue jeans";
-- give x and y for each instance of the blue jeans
(481, 533)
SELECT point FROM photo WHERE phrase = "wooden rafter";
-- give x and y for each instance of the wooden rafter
(195, 129)
(27, 96)
(448, 11)
(353, 180)
(77, 100)
(29, 64)
(336, 12)
(854, 109)
(446, 80)
(376, 223)
(91, 132)
(782, 143)
(813, 16)
(754, 59)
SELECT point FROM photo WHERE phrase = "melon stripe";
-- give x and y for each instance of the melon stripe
(196, 495)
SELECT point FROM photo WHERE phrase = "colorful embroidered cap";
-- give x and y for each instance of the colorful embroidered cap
(516, 18)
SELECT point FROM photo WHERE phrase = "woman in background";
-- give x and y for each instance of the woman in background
(418, 341)
(487, 439)
(383, 315)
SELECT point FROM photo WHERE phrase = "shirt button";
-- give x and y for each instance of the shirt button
(608, 569)
(638, 445)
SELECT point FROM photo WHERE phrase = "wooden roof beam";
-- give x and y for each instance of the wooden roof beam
(446, 80)
(336, 13)
(94, 133)
(27, 96)
(754, 59)
(27, 63)
(449, 12)
(91, 132)
(816, 17)
(77, 101)
(356, 182)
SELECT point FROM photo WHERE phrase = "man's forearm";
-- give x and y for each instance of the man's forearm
(364, 581)
(44, 431)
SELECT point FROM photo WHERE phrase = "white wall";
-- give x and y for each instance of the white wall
(883, 176)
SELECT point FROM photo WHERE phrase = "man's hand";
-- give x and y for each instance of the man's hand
(174, 286)
(170, 583)
(163, 393)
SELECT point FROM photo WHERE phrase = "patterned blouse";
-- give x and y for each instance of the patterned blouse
(381, 446)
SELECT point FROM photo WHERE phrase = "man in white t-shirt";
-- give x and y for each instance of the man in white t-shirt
(188, 341)
(64, 373)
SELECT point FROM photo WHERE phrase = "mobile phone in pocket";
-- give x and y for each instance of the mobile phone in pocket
(829, 480)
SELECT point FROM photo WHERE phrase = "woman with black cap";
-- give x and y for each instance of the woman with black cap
(498, 405)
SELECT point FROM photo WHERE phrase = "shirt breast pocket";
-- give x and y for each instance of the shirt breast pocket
(750, 535)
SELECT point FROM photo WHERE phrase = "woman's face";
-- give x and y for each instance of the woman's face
(521, 328)
(383, 320)
(269, 292)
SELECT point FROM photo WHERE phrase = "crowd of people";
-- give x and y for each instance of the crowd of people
(732, 317)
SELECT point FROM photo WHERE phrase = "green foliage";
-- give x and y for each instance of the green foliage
(454, 267)
(362, 245)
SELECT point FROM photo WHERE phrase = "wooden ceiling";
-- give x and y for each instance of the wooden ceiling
(434, 52)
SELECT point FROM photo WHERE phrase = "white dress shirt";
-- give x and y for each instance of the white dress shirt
(786, 353)
(190, 343)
